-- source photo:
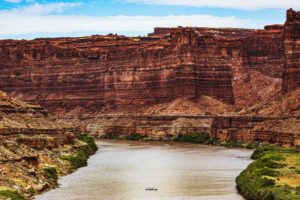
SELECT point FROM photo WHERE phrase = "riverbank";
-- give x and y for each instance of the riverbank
(124, 169)
(195, 138)
(41, 175)
(274, 175)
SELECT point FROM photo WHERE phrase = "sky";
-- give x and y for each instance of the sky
(28, 19)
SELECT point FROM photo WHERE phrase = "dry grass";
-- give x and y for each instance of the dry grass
(289, 175)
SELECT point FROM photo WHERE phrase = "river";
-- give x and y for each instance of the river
(122, 170)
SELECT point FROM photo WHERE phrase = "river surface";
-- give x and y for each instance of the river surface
(123, 170)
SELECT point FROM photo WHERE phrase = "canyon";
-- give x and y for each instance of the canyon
(235, 84)
(119, 170)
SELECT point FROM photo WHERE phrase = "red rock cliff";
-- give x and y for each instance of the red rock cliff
(104, 73)
(291, 78)
(111, 72)
(179, 71)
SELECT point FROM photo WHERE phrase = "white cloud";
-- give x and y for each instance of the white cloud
(234, 4)
(13, 1)
(15, 24)
(48, 8)
(46, 19)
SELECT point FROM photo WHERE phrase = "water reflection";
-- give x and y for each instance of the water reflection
(122, 171)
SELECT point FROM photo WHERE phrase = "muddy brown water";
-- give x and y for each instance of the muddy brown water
(123, 170)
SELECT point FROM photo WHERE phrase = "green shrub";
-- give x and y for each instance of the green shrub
(51, 173)
(31, 191)
(252, 182)
(259, 152)
(267, 182)
(135, 136)
(200, 138)
(10, 194)
(267, 195)
(266, 172)
(277, 157)
(233, 143)
(90, 141)
(78, 160)
(274, 165)
(297, 171)
(271, 157)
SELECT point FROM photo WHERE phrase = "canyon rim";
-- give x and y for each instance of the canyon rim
(238, 86)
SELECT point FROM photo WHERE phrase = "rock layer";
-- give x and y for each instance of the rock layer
(31, 142)
(256, 128)
(106, 73)
(291, 78)
(151, 127)
(173, 71)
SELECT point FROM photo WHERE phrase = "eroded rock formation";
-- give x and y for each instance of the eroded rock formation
(265, 129)
(291, 78)
(173, 71)
(31, 143)
(107, 73)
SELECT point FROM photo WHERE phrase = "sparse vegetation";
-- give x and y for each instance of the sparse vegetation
(90, 141)
(79, 159)
(31, 191)
(135, 136)
(265, 178)
(200, 138)
(10, 194)
(233, 143)
(51, 173)
(204, 138)
(248, 145)
(110, 136)
(197, 137)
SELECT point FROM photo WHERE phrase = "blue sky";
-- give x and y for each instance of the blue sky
(44, 18)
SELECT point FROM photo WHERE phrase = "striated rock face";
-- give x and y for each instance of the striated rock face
(184, 71)
(291, 78)
(32, 142)
(265, 129)
(107, 73)
(275, 120)
(151, 127)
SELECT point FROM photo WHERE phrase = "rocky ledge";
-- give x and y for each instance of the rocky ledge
(35, 149)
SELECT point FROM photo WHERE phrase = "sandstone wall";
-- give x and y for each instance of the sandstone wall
(291, 78)
(116, 74)
(31, 141)
(105, 73)
(248, 128)
(164, 127)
